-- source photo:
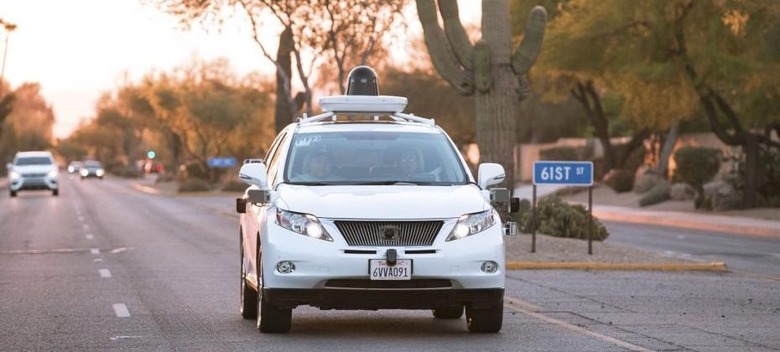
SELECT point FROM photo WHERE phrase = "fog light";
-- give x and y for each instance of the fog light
(489, 267)
(285, 267)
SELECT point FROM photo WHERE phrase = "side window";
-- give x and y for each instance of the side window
(272, 161)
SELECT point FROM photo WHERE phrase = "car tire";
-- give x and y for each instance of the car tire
(448, 312)
(485, 320)
(55, 192)
(248, 297)
(13, 193)
(270, 319)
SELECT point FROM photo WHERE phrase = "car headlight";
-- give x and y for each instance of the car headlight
(471, 224)
(14, 175)
(100, 172)
(52, 174)
(304, 224)
(84, 172)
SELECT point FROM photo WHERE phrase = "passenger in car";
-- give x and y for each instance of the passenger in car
(409, 162)
(318, 166)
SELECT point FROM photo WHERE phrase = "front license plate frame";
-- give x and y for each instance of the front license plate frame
(379, 270)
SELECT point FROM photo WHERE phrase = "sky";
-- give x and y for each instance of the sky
(79, 49)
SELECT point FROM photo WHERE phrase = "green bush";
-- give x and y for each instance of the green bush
(619, 180)
(557, 218)
(696, 165)
(194, 185)
(767, 176)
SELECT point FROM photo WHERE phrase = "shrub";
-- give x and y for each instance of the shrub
(767, 176)
(557, 218)
(619, 180)
(696, 165)
(194, 185)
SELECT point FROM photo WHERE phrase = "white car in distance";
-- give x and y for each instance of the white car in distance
(33, 170)
(366, 207)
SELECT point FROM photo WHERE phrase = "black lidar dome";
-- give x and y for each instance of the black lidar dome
(362, 81)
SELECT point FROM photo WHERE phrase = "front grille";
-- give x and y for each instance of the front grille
(36, 175)
(389, 233)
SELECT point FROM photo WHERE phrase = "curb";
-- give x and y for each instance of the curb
(712, 266)
(664, 219)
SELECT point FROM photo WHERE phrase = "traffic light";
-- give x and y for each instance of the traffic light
(151, 154)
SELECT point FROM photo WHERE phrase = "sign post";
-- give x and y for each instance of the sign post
(563, 173)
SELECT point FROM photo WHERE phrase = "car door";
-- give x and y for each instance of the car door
(255, 218)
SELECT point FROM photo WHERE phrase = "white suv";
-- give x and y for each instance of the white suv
(365, 207)
(33, 170)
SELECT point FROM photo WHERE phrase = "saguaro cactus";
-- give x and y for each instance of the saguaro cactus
(488, 69)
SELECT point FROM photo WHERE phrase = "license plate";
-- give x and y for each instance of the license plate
(379, 270)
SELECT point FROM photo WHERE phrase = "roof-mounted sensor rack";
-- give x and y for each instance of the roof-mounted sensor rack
(365, 105)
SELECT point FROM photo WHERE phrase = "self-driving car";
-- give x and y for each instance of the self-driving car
(33, 170)
(366, 207)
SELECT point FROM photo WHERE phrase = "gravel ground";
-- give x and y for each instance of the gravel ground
(555, 249)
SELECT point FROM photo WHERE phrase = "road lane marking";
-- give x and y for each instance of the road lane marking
(104, 273)
(118, 250)
(121, 310)
(81, 218)
(98, 260)
(529, 309)
(95, 251)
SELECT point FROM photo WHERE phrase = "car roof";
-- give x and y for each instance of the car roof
(366, 126)
(28, 154)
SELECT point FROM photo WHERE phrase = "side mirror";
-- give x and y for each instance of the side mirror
(253, 173)
(490, 174)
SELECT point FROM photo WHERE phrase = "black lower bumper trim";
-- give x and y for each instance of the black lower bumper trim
(382, 299)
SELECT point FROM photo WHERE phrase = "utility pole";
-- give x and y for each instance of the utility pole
(9, 27)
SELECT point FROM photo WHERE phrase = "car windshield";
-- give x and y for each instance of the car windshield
(92, 164)
(33, 160)
(373, 158)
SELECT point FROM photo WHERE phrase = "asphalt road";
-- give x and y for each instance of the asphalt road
(743, 253)
(106, 267)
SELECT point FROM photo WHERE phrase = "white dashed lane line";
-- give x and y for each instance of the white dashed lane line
(121, 310)
(95, 251)
(89, 236)
(104, 273)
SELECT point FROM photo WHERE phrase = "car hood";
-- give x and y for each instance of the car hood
(32, 169)
(382, 202)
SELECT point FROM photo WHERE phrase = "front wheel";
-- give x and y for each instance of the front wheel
(270, 319)
(248, 307)
(55, 192)
(487, 320)
(13, 194)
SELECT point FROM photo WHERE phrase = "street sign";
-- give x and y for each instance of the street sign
(222, 162)
(566, 173)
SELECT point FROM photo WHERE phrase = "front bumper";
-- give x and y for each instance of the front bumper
(32, 182)
(383, 299)
(334, 275)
